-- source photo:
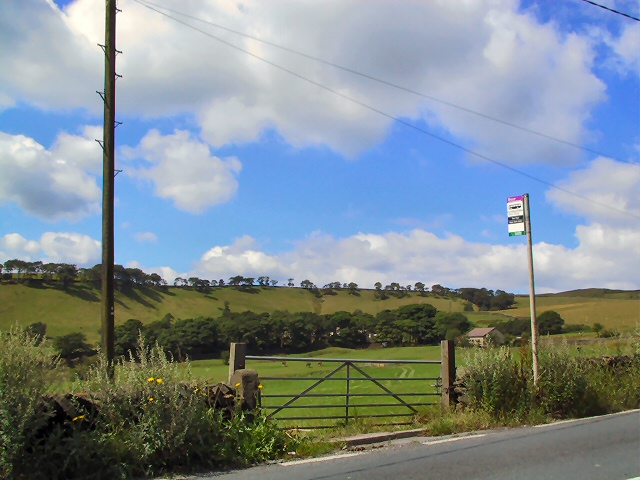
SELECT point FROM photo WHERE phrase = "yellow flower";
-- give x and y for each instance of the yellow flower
(79, 417)
(237, 384)
(159, 380)
(151, 399)
(150, 379)
(260, 387)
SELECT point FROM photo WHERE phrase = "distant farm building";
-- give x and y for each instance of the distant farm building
(483, 337)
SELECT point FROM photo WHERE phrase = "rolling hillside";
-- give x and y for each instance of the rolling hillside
(78, 309)
(615, 309)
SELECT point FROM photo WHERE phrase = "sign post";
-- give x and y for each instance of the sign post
(519, 223)
(515, 215)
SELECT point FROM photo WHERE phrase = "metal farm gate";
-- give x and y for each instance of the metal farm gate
(350, 389)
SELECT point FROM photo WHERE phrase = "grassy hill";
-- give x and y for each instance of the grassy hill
(78, 309)
(615, 309)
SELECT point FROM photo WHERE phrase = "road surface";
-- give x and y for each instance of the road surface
(600, 448)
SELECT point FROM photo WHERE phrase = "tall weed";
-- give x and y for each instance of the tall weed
(497, 383)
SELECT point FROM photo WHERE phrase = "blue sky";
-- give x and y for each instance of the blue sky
(232, 166)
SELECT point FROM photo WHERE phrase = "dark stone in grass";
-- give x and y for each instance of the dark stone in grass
(67, 413)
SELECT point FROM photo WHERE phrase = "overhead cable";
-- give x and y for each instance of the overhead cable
(612, 10)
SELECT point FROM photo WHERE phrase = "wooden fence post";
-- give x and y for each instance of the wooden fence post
(448, 372)
(237, 352)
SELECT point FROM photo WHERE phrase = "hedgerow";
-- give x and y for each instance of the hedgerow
(570, 385)
(148, 420)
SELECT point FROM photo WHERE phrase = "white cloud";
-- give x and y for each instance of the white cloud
(604, 257)
(626, 48)
(486, 56)
(242, 257)
(14, 245)
(70, 248)
(450, 52)
(606, 182)
(44, 61)
(146, 237)
(167, 273)
(183, 170)
(55, 247)
(51, 184)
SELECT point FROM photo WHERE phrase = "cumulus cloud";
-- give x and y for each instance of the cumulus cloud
(45, 61)
(14, 245)
(183, 170)
(486, 47)
(607, 251)
(626, 48)
(55, 247)
(487, 56)
(604, 257)
(51, 184)
(70, 248)
(607, 183)
(241, 257)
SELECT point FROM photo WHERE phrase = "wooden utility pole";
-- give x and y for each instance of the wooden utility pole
(532, 290)
(108, 180)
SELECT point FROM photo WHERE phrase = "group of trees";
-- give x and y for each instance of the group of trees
(65, 274)
(70, 346)
(487, 299)
(549, 323)
(283, 332)
(237, 281)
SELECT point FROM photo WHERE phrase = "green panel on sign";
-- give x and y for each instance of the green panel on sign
(515, 234)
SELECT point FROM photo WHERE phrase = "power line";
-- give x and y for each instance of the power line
(612, 10)
(391, 117)
(390, 84)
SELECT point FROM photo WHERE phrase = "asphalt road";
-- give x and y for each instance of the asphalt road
(601, 448)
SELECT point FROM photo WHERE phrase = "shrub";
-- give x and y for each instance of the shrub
(575, 327)
(564, 389)
(174, 429)
(550, 323)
